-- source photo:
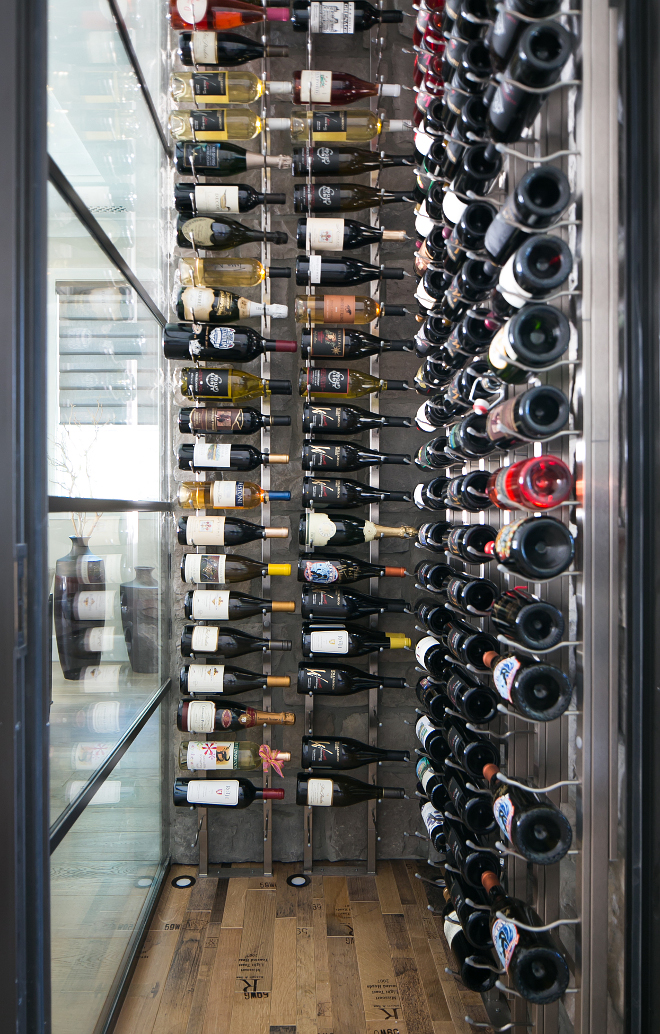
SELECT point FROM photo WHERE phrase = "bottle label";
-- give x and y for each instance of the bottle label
(324, 491)
(101, 678)
(227, 493)
(508, 286)
(422, 648)
(90, 570)
(212, 755)
(505, 537)
(216, 421)
(94, 606)
(453, 207)
(322, 752)
(324, 198)
(451, 927)
(208, 382)
(500, 422)
(320, 572)
(212, 86)
(319, 159)
(204, 49)
(198, 304)
(217, 457)
(330, 344)
(335, 17)
(206, 531)
(319, 455)
(315, 87)
(206, 678)
(424, 728)
(201, 716)
(211, 200)
(504, 676)
(319, 529)
(113, 565)
(108, 793)
(335, 641)
(505, 938)
(430, 817)
(204, 639)
(328, 382)
(454, 590)
(427, 777)
(418, 497)
(104, 716)
(209, 125)
(319, 793)
(455, 640)
(325, 235)
(192, 12)
(497, 352)
(99, 640)
(205, 567)
(210, 606)
(314, 269)
(329, 125)
(88, 756)
(213, 791)
(198, 231)
(503, 811)
(422, 766)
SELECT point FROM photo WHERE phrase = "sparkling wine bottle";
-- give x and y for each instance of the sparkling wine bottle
(536, 414)
(213, 679)
(328, 456)
(216, 199)
(534, 826)
(211, 305)
(344, 753)
(203, 456)
(222, 344)
(339, 791)
(316, 87)
(221, 384)
(536, 337)
(223, 569)
(232, 755)
(536, 689)
(326, 568)
(343, 383)
(341, 272)
(343, 419)
(321, 605)
(224, 495)
(536, 547)
(322, 529)
(344, 197)
(341, 126)
(343, 308)
(230, 793)
(349, 640)
(341, 234)
(213, 641)
(222, 159)
(341, 680)
(226, 605)
(347, 161)
(220, 233)
(525, 618)
(340, 493)
(206, 716)
(538, 483)
(203, 420)
(338, 17)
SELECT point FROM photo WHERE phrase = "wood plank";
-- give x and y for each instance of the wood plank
(173, 902)
(250, 1013)
(254, 971)
(323, 995)
(304, 906)
(403, 883)
(286, 895)
(218, 907)
(177, 997)
(397, 936)
(262, 883)
(426, 968)
(283, 998)
(450, 986)
(388, 894)
(361, 888)
(204, 976)
(445, 1026)
(337, 907)
(305, 980)
(202, 895)
(142, 1002)
(347, 1006)
(235, 903)
(219, 1005)
(413, 1002)
(282, 1030)
(380, 993)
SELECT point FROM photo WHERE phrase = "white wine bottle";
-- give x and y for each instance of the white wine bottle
(336, 126)
(228, 272)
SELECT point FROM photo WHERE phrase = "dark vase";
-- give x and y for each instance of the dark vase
(79, 570)
(139, 618)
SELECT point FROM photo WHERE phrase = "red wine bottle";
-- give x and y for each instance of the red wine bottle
(218, 344)
(205, 456)
(229, 605)
(534, 623)
(337, 343)
(538, 690)
(339, 18)
(213, 641)
(205, 420)
(348, 161)
(340, 272)
(344, 419)
(210, 680)
(228, 793)
(341, 680)
(340, 493)
(344, 197)
(329, 456)
(325, 568)
(227, 48)
(339, 791)
(346, 604)
(534, 825)
(337, 88)
(334, 753)
(536, 414)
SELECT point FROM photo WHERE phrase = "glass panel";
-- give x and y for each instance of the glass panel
(100, 877)
(106, 602)
(148, 31)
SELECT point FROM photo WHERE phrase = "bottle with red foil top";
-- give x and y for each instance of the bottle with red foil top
(206, 716)
(223, 14)
(320, 87)
(537, 483)
(538, 690)
(534, 826)
(536, 547)
(228, 793)
(343, 383)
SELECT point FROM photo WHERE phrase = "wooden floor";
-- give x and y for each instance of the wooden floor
(356, 955)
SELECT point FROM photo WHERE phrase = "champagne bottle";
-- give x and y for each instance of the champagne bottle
(505, 31)
(211, 88)
(343, 383)
(339, 18)
(342, 308)
(344, 753)
(471, 862)
(338, 419)
(213, 641)
(338, 493)
(479, 978)
(329, 456)
(537, 414)
(532, 622)
(537, 201)
(341, 126)
(536, 336)
(232, 755)
(222, 344)
(223, 531)
(205, 716)
(209, 124)
(216, 199)
(211, 305)
(535, 547)
(341, 234)
(321, 529)
(203, 456)
(534, 826)
(340, 791)
(213, 679)
(228, 272)
(341, 680)
(341, 272)
(230, 793)
(537, 969)
(432, 785)
(474, 921)
(349, 640)
(464, 541)
(344, 197)
(464, 591)
(534, 688)
(228, 385)
(475, 810)
(223, 569)
(315, 87)
(222, 159)
(220, 48)
(535, 271)
(226, 605)
(224, 495)
(326, 568)
(538, 483)
(220, 233)
(203, 420)
(349, 605)
(348, 161)
(471, 750)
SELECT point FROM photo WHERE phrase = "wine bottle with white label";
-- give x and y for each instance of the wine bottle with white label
(112, 791)
(329, 456)
(535, 271)
(535, 826)
(434, 821)
(349, 161)
(335, 493)
(432, 786)
(221, 87)
(344, 197)
(228, 793)
(89, 607)
(326, 568)
(343, 382)
(226, 605)
(346, 752)
(341, 126)
(222, 569)
(195, 201)
(536, 689)
(88, 644)
(338, 16)
(213, 641)
(223, 531)
(222, 344)
(349, 640)
(219, 384)
(337, 343)
(219, 233)
(478, 978)
(232, 755)
(432, 740)
(203, 420)
(537, 336)
(322, 529)
(341, 272)
(341, 234)
(224, 495)
(217, 48)
(340, 680)
(209, 679)
(222, 158)
(228, 272)
(340, 791)
(207, 716)
(321, 605)
(320, 87)
(213, 305)
(204, 456)
(474, 921)
(99, 678)
(473, 809)
(471, 750)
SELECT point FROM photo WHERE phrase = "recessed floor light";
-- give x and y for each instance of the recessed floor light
(298, 879)
(183, 881)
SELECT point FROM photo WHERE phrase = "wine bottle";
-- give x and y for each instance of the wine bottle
(536, 689)
(475, 922)
(536, 337)
(316, 87)
(435, 825)
(537, 201)
(348, 161)
(211, 88)
(203, 420)
(211, 305)
(203, 456)
(212, 201)
(343, 308)
(538, 483)
(341, 272)
(213, 641)
(535, 827)
(505, 31)
(464, 591)
(349, 640)
(339, 791)
(344, 753)
(476, 703)
(435, 372)
(473, 282)
(476, 170)
(224, 495)
(536, 547)
(210, 124)
(232, 755)
(205, 716)
(471, 76)
(471, 862)
(478, 978)
(326, 568)
(536, 270)
(221, 159)
(468, 234)
(104, 716)
(471, 750)
(213, 679)
(341, 680)
(112, 791)
(99, 678)
(343, 383)
(464, 541)
(223, 531)
(432, 786)
(532, 622)
(349, 605)
(230, 793)
(472, 120)
(217, 383)
(338, 343)
(228, 272)
(468, 492)
(85, 644)
(475, 810)
(431, 496)
(341, 234)
(328, 456)
(321, 529)
(218, 233)
(465, 440)
(538, 413)
(343, 419)
(222, 344)
(344, 197)
(223, 569)
(337, 17)
(341, 126)
(471, 336)
(537, 969)
(226, 605)
(228, 49)
(337, 493)
(462, 640)
(432, 740)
